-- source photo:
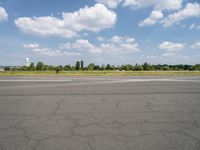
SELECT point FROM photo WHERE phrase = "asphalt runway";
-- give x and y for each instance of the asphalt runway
(99, 113)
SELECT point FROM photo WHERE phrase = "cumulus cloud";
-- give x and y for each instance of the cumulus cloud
(171, 47)
(85, 45)
(3, 14)
(171, 58)
(154, 17)
(110, 3)
(196, 45)
(120, 44)
(168, 54)
(35, 45)
(157, 4)
(190, 10)
(64, 46)
(114, 45)
(94, 19)
(49, 52)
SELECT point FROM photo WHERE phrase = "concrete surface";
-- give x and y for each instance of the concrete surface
(99, 113)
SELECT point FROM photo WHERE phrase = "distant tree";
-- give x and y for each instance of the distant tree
(67, 67)
(82, 64)
(31, 67)
(128, 67)
(57, 69)
(91, 66)
(7, 69)
(61, 67)
(165, 68)
(14, 69)
(97, 67)
(152, 67)
(39, 66)
(103, 67)
(197, 67)
(138, 68)
(77, 65)
(45, 68)
(24, 68)
(146, 66)
(50, 67)
(108, 67)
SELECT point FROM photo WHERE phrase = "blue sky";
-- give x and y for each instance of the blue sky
(100, 31)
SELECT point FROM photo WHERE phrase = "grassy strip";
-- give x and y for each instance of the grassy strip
(102, 73)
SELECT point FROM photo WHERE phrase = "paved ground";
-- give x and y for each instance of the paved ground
(99, 113)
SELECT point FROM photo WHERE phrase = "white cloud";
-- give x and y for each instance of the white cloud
(120, 44)
(100, 39)
(85, 45)
(168, 54)
(114, 45)
(192, 26)
(171, 47)
(93, 19)
(196, 45)
(157, 4)
(190, 10)
(3, 14)
(65, 46)
(171, 58)
(117, 39)
(155, 16)
(49, 52)
(110, 3)
(35, 45)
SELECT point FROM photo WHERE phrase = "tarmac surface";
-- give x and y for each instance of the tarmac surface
(99, 113)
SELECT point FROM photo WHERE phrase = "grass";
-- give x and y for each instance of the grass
(102, 73)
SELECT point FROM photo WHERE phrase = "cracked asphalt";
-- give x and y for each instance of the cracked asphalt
(99, 113)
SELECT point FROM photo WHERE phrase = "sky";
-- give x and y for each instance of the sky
(60, 32)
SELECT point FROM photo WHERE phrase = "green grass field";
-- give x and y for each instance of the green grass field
(102, 73)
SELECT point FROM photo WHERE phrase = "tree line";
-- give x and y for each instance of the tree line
(79, 65)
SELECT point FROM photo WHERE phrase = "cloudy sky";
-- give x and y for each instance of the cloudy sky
(100, 31)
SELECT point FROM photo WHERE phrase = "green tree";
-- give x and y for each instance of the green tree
(14, 69)
(91, 66)
(7, 69)
(138, 68)
(77, 65)
(24, 68)
(103, 67)
(197, 67)
(146, 66)
(82, 64)
(45, 68)
(57, 69)
(165, 68)
(31, 67)
(108, 67)
(67, 67)
(39, 66)
(97, 67)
